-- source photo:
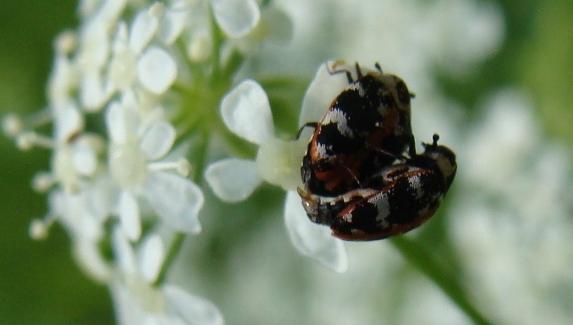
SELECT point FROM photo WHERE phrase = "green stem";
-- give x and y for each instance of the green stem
(218, 39)
(170, 258)
(233, 64)
(423, 260)
(200, 156)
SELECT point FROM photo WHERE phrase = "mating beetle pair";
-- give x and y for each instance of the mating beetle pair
(362, 155)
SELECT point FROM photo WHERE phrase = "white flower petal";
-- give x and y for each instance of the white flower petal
(93, 93)
(114, 117)
(121, 38)
(236, 17)
(176, 200)
(130, 98)
(116, 122)
(313, 240)
(84, 158)
(62, 80)
(63, 169)
(69, 122)
(111, 9)
(323, 88)
(247, 113)
(232, 179)
(200, 45)
(123, 252)
(142, 30)
(158, 140)
(193, 309)
(75, 216)
(152, 255)
(88, 7)
(94, 45)
(156, 69)
(101, 197)
(128, 310)
(90, 259)
(122, 71)
(56, 202)
(129, 215)
(172, 25)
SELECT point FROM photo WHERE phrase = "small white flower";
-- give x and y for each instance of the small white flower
(188, 22)
(245, 24)
(135, 147)
(246, 112)
(134, 58)
(90, 60)
(83, 214)
(120, 66)
(139, 302)
(74, 153)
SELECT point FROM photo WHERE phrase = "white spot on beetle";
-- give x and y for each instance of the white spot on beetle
(337, 116)
(321, 150)
(416, 184)
(380, 201)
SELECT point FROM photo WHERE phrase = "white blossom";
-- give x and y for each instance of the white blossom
(83, 214)
(120, 86)
(136, 144)
(513, 206)
(136, 60)
(138, 301)
(246, 112)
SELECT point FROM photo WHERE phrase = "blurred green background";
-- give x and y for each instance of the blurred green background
(41, 284)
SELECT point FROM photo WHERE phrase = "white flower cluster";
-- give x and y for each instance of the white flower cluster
(515, 197)
(116, 88)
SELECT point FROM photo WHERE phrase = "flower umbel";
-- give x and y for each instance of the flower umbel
(173, 150)
(120, 98)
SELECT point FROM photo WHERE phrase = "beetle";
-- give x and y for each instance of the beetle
(367, 126)
(400, 198)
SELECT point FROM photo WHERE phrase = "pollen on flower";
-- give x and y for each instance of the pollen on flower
(66, 42)
(199, 48)
(42, 182)
(184, 167)
(12, 125)
(38, 229)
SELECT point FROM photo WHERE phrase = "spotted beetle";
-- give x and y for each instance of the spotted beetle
(367, 126)
(401, 197)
